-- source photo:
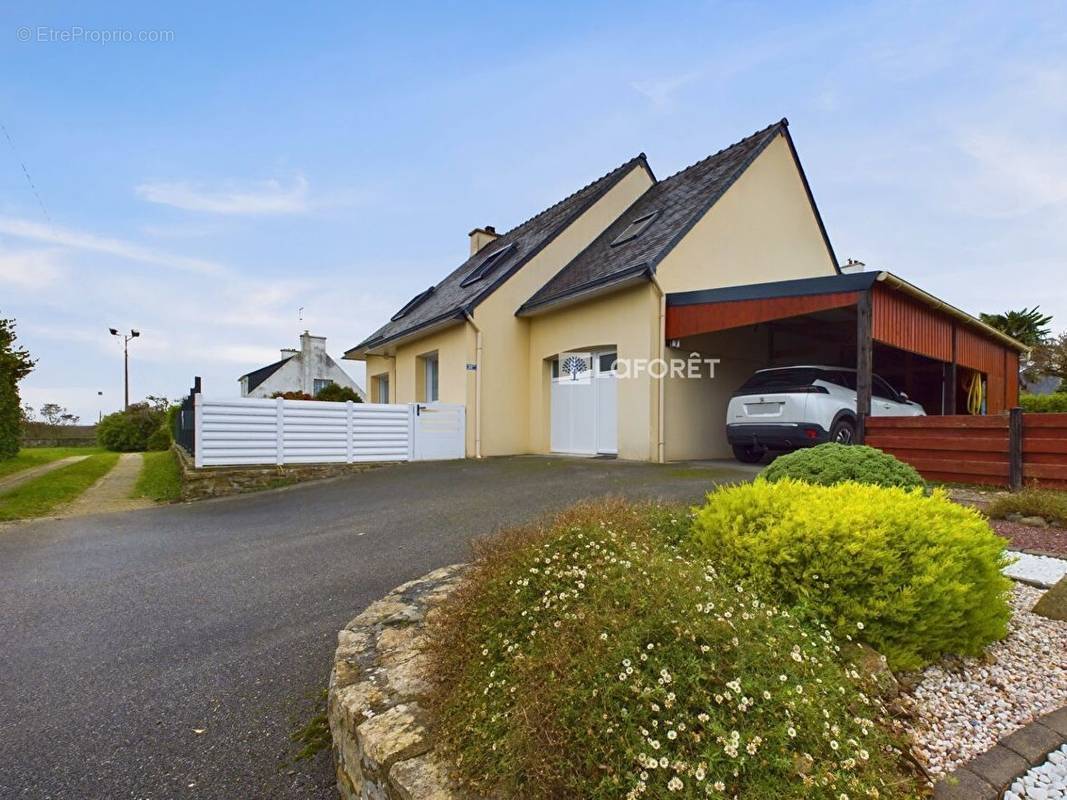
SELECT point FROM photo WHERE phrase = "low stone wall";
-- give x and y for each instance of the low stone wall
(383, 749)
(198, 484)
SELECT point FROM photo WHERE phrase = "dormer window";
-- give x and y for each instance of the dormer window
(635, 229)
(414, 301)
(488, 264)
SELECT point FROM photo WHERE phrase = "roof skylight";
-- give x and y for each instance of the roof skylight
(635, 229)
(488, 264)
(414, 301)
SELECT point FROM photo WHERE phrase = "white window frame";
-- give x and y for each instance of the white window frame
(383, 387)
(431, 388)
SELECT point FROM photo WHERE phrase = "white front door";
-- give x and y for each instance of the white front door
(607, 404)
(584, 405)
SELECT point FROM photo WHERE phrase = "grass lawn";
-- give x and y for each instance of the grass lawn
(160, 478)
(30, 457)
(46, 493)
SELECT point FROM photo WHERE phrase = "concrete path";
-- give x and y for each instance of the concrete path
(17, 479)
(167, 654)
(111, 492)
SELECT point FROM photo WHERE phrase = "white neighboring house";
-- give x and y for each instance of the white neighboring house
(308, 370)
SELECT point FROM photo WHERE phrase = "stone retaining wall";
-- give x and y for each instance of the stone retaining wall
(382, 747)
(198, 484)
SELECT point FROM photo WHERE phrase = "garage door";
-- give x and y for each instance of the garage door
(585, 405)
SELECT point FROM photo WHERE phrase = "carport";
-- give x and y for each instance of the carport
(873, 321)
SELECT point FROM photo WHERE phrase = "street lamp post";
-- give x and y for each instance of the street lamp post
(126, 360)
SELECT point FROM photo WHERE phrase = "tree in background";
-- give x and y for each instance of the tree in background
(1050, 358)
(15, 364)
(55, 414)
(1028, 326)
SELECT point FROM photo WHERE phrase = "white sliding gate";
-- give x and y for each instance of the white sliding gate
(251, 431)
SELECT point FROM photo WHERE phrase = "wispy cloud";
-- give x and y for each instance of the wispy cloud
(29, 269)
(233, 198)
(90, 242)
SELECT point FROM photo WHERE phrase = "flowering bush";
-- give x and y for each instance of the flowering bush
(599, 657)
(832, 463)
(922, 574)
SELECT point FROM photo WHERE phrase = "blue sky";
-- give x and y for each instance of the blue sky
(334, 155)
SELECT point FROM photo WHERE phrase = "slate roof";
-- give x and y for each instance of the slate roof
(678, 201)
(449, 299)
(257, 376)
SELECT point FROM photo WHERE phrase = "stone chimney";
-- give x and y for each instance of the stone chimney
(289, 352)
(313, 360)
(480, 237)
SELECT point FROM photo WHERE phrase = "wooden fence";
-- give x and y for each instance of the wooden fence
(1011, 450)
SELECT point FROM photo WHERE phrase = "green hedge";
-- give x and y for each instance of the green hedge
(1055, 403)
(828, 464)
(130, 430)
(914, 576)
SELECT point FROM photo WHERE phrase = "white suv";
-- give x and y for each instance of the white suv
(786, 408)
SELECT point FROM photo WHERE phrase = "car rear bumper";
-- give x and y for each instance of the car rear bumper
(785, 435)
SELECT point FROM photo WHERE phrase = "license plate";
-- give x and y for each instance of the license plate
(763, 409)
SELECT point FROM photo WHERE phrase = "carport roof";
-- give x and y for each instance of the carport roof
(835, 285)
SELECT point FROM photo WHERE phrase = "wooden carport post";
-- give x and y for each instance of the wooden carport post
(864, 362)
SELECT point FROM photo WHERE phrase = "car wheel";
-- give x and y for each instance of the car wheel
(843, 432)
(748, 454)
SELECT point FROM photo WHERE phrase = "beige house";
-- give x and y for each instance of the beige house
(592, 275)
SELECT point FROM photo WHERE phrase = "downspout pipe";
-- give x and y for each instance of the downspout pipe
(661, 447)
(477, 383)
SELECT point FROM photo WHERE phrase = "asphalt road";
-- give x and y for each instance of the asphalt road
(122, 635)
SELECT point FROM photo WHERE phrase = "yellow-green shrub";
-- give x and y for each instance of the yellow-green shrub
(915, 576)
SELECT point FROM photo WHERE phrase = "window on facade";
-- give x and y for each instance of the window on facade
(634, 229)
(319, 384)
(430, 376)
(383, 388)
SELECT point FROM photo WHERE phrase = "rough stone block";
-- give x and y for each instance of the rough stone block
(422, 778)
(391, 736)
(1053, 603)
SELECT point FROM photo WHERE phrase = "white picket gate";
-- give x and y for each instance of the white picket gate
(251, 431)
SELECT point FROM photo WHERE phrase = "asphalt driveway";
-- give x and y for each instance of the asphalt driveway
(169, 653)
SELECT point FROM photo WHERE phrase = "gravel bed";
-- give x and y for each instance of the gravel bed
(1040, 571)
(1045, 782)
(1022, 537)
(964, 706)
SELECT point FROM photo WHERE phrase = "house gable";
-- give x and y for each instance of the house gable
(765, 227)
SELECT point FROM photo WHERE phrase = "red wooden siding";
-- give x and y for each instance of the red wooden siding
(710, 317)
(1045, 450)
(905, 323)
(1000, 365)
(966, 449)
(951, 449)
